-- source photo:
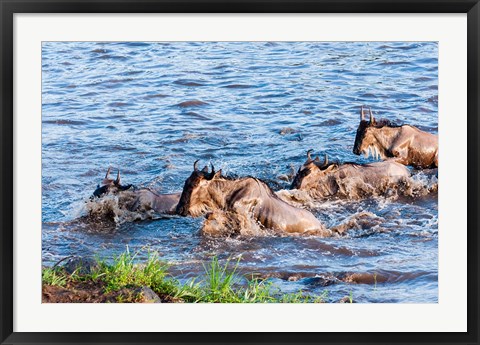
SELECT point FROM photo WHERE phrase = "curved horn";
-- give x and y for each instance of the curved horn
(195, 165)
(117, 181)
(362, 116)
(326, 160)
(371, 115)
(108, 173)
(309, 154)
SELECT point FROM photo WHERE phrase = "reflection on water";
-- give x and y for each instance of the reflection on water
(251, 108)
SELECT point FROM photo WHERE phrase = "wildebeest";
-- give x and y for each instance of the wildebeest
(137, 199)
(110, 186)
(231, 204)
(348, 180)
(406, 143)
(146, 199)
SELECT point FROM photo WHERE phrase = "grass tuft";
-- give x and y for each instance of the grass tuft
(53, 276)
(219, 284)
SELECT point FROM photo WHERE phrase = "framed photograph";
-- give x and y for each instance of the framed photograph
(245, 172)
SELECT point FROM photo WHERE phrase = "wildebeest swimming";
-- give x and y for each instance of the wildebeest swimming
(406, 143)
(137, 199)
(348, 180)
(237, 205)
(248, 206)
(110, 186)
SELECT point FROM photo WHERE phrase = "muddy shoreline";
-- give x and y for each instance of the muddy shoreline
(93, 292)
(87, 280)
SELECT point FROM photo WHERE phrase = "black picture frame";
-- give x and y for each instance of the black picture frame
(9, 7)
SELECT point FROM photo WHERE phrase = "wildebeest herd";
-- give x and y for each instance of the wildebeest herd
(248, 206)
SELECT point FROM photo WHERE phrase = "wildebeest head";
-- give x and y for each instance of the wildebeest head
(369, 133)
(364, 136)
(311, 171)
(110, 186)
(195, 196)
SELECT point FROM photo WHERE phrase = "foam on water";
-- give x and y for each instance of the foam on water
(115, 207)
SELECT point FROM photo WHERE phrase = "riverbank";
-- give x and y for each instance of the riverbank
(125, 281)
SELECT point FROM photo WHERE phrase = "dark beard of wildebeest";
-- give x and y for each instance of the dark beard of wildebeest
(228, 202)
(137, 200)
(348, 180)
(406, 144)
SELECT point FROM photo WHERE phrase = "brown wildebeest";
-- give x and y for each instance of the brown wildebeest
(348, 180)
(137, 200)
(406, 143)
(242, 202)
(146, 199)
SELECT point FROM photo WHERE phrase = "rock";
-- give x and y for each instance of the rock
(346, 299)
(287, 130)
(284, 177)
(148, 295)
(320, 280)
(80, 265)
(331, 122)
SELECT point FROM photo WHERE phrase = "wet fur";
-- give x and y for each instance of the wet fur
(243, 206)
(349, 180)
(406, 144)
(138, 200)
(146, 199)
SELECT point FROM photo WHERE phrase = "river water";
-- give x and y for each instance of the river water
(258, 107)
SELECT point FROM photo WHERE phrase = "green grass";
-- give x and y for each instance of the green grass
(124, 272)
(219, 283)
(52, 276)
